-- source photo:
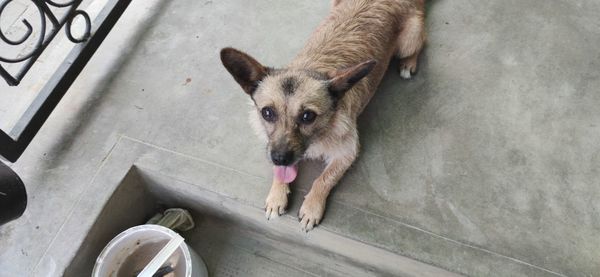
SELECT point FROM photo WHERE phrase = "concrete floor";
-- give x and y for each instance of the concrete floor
(487, 163)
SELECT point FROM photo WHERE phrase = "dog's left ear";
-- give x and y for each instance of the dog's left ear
(245, 70)
(343, 80)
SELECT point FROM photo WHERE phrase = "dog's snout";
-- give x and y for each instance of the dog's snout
(283, 158)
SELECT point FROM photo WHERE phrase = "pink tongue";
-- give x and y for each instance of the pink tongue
(286, 174)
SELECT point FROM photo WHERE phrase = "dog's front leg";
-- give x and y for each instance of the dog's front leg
(312, 209)
(277, 199)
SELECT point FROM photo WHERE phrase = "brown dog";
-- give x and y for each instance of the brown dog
(309, 108)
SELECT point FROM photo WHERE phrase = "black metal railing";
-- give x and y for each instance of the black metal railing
(14, 142)
(44, 38)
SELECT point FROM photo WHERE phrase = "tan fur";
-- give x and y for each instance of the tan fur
(410, 43)
(335, 3)
(278, 198)
(356, 31)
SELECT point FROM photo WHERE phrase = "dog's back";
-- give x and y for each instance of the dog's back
(356, 31)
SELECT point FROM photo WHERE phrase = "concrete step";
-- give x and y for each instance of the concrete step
(350, 241)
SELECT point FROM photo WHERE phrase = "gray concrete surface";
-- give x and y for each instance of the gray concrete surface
(230, 232)
(485, 164)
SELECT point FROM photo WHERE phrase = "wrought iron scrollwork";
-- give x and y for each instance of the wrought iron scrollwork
(88, 26)
(25, 36)
(13, 142)
(44, 37)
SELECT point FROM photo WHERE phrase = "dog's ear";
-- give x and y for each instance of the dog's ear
(343, 80)
(245, 70)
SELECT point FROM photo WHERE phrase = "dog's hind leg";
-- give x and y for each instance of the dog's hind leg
(409, 43)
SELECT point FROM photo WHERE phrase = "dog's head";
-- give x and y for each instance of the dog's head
(296, 106)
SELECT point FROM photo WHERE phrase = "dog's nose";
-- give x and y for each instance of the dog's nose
(282, 158)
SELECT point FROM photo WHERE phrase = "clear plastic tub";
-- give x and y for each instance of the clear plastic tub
(130, 251)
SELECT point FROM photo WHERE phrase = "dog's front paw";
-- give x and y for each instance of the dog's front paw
(311, 212)
(276, 200)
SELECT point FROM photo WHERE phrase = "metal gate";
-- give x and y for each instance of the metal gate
(14, 142)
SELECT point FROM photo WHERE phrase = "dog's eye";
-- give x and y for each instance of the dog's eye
(268, 114)
(308, 117)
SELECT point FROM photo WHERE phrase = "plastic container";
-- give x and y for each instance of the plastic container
(130, 251)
